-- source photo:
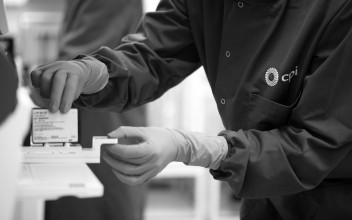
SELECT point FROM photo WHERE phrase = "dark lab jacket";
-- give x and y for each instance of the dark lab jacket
(280, 71)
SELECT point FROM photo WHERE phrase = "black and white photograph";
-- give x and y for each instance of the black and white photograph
(175, 110)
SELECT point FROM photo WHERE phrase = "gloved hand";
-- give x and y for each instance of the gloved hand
(156, 148)
(62, 82)
(38, 100)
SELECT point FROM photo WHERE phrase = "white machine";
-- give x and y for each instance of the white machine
(54, 165)
(65, 152)
(55, 139)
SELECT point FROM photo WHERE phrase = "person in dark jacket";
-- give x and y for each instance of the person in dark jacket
(88, 25)
(279, 71)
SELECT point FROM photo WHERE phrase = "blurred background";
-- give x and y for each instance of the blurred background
(178, 192)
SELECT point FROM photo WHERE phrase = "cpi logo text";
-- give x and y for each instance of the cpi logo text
(272, 76)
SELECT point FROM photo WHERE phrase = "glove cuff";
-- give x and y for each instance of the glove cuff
(198, 149)
(97, 73)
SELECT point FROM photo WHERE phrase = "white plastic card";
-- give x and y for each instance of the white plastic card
(50, 127)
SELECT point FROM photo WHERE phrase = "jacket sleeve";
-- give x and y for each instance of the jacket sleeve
(315, 143)
(157, 57)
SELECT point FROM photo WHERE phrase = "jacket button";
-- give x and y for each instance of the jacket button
(240, 4)
(227, 53)
(223, 101)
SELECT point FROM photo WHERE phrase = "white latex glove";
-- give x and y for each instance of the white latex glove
(62, 82)
(156, 148)
(38, 100)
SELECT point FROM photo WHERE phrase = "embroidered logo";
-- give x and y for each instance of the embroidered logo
(288, 77)
(271, 76)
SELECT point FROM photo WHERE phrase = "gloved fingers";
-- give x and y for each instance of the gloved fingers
(125, 167)
(135, 180)
(52, 65)
(45, 83)
(35, 77)
(125, 132)
(57, 90)
(38, 72)
(140, 160)
(69, 93)
(131, 151)
(37, 98)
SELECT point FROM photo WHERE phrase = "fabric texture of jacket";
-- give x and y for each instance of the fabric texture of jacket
(280, 73)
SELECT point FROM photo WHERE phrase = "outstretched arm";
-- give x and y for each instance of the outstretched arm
(157, 57)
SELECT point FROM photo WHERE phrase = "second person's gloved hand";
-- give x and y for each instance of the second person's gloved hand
(156, 148)
(62, 82)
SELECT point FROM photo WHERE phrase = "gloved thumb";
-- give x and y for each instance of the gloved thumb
(125, 132)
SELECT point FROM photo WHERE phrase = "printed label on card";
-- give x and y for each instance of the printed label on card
(50, 127)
